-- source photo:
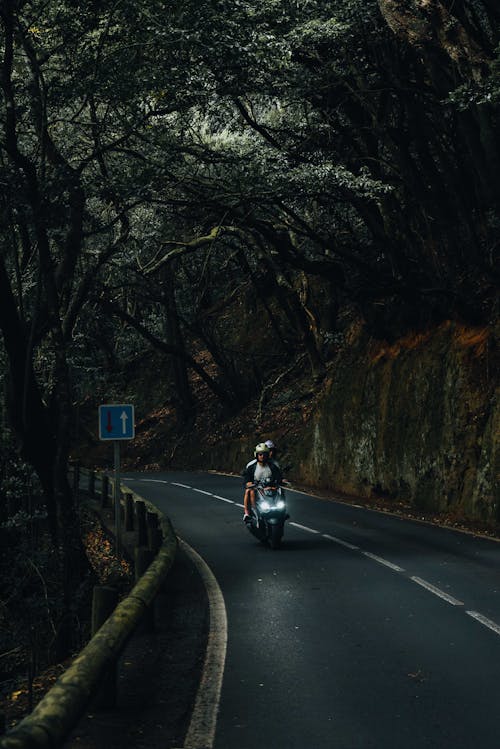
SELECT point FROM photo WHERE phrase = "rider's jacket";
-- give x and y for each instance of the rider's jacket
(249, 472)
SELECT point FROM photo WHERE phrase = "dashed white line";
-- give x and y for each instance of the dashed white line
(437, 591)
(304, 528)
(484, 620)
(200, 491)
(341, 542)
(150, 481)
(383, 561)
(423, 583)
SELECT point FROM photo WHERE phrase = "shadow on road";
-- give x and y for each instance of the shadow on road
(299, 545)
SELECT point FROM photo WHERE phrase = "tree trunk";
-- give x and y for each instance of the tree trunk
(290, 302)
(184, 403)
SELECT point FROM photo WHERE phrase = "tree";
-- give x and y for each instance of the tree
(147, 145)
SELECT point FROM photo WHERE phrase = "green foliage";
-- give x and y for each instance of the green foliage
(168, 169)
(327, 137)
(29, 593)
(17, 481)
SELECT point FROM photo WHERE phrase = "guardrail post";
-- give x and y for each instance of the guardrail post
(76, 476)
(129, 512)
(154, 533)
(104, 601)
(155, 540)
(116, 501)
(142, 534)
(142, 559)
(104, 490)
(151, 524)
(91, 485)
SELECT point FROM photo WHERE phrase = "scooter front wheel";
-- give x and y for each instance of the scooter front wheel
(275, 536)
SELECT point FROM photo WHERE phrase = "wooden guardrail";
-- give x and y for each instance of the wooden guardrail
(57, 714)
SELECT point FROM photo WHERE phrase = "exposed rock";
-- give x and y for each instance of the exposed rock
(418, 420)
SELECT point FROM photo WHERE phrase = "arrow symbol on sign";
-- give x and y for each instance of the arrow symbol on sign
(109, 427)
(124, 418)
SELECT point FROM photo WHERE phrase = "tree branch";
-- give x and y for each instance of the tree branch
(220, 392)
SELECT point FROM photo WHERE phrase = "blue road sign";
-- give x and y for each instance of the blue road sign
(116, 422)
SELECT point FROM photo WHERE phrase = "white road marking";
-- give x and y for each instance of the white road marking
(437, 591)
(383, 561)
(297, 491)
(200, 491)
(304, 528)
(340, 541)
(201, 731)
(201, 723)
(484, 620)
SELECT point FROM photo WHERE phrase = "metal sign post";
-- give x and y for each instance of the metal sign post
(117, 495)
(116, 422)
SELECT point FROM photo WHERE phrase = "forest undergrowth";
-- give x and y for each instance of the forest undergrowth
(27, 662)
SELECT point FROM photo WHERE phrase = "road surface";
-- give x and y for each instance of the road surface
(364, 631)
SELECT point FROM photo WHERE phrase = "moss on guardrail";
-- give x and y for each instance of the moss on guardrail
(59, 711)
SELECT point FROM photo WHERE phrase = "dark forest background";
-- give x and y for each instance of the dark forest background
(173, 172)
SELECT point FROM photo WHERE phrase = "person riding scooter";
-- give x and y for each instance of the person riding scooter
(273, 450)
(262, 469)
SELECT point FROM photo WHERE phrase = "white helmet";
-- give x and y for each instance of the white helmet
(261, 448)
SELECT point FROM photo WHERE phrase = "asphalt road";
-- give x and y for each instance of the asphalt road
(364, 631)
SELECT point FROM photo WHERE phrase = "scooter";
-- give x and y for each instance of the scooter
(267, 522)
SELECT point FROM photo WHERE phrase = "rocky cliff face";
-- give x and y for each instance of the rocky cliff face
(418, 420)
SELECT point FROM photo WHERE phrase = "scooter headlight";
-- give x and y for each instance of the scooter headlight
(264, 505)
(280, 505)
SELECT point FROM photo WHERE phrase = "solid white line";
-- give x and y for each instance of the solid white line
(296, 491)
(201, 731)
(238, 505)
(437, 591)
(304, 528)
(319, 496)
(487, 622)
(340, 541)
(230, 501)
(200, 491)
(380, 560)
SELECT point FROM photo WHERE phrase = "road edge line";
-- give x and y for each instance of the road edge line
(201, 730)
